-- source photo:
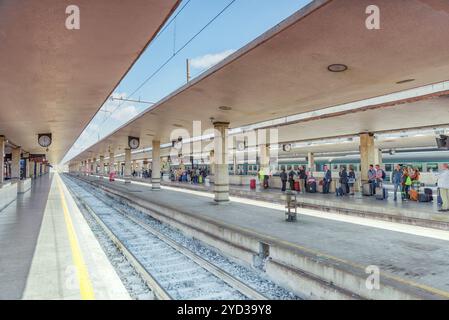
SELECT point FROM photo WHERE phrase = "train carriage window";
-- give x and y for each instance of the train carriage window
(295, 167)
(389, 167)
(432, 167)
(289, 168)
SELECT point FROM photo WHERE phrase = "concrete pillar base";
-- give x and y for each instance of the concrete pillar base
(155, 184)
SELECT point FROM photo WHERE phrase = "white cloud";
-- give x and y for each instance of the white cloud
(124, 113)
(209, 60)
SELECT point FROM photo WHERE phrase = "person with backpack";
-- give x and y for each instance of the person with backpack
(380, 176)
(443, 186)
(397, 179)
(415, 178)
(406, 183)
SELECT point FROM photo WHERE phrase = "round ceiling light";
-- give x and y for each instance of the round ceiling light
(225, 108)
(337, 67)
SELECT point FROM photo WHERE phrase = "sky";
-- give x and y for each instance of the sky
(239, 24)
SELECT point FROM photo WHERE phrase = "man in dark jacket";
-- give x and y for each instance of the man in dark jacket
(344, 180)
(283, 177)
(291, 179)
(327, 179)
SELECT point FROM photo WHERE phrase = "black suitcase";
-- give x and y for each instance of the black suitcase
(429, 192)
(312, 187)
(424, 197)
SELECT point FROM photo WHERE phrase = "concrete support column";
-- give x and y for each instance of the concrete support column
(311, 161)
(367, 155)
(102, 172)
(119, 168)
(212, 162)
(15, 163)
(156, 166)
(111, 162)
(264, 158)
(263, 144)
(127, 173)
(134, 167)
(378, 156)
(30, 169)
(26, 174)
(2, 159)
(221, 184)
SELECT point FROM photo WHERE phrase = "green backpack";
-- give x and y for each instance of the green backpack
(408, 181)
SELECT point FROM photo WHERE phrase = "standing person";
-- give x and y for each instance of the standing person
(397, 180)
(380, 176)
(344, 180)
(351, 180)
(291, 179)
(261, 178)
(415, 178)
(372, 178)
(443, 185)
(283, 177)
(302, 179)
(406, 183)
(327, 179)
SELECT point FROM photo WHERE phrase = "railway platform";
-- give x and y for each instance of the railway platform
(49, 251)
(323, 255)
(406, 212)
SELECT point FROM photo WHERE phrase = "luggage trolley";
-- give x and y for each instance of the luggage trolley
(291, 206)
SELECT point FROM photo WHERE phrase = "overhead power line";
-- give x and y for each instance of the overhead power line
(175, 52)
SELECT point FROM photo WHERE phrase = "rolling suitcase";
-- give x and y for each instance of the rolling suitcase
(339, 192)
(381, 193)
(424, 197)
(439, 199)
(312, 187)
(429, 192)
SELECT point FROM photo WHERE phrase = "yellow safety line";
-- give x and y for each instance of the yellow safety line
(86, 288)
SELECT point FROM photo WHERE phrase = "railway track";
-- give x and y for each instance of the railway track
(169, 269)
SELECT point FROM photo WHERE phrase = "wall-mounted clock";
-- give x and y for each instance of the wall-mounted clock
(44, 140)
(133, 142)
(287, 147)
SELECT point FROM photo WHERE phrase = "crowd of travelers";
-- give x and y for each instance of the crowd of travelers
(193, 176)
(405, 180)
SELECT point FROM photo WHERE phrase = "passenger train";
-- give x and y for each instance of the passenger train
(426, 161)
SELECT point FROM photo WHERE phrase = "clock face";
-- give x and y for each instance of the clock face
(287, 147)
(44, 141)
(133, 143)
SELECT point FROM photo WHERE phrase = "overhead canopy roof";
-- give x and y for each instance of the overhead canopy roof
(284, 71)
(53, 80)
